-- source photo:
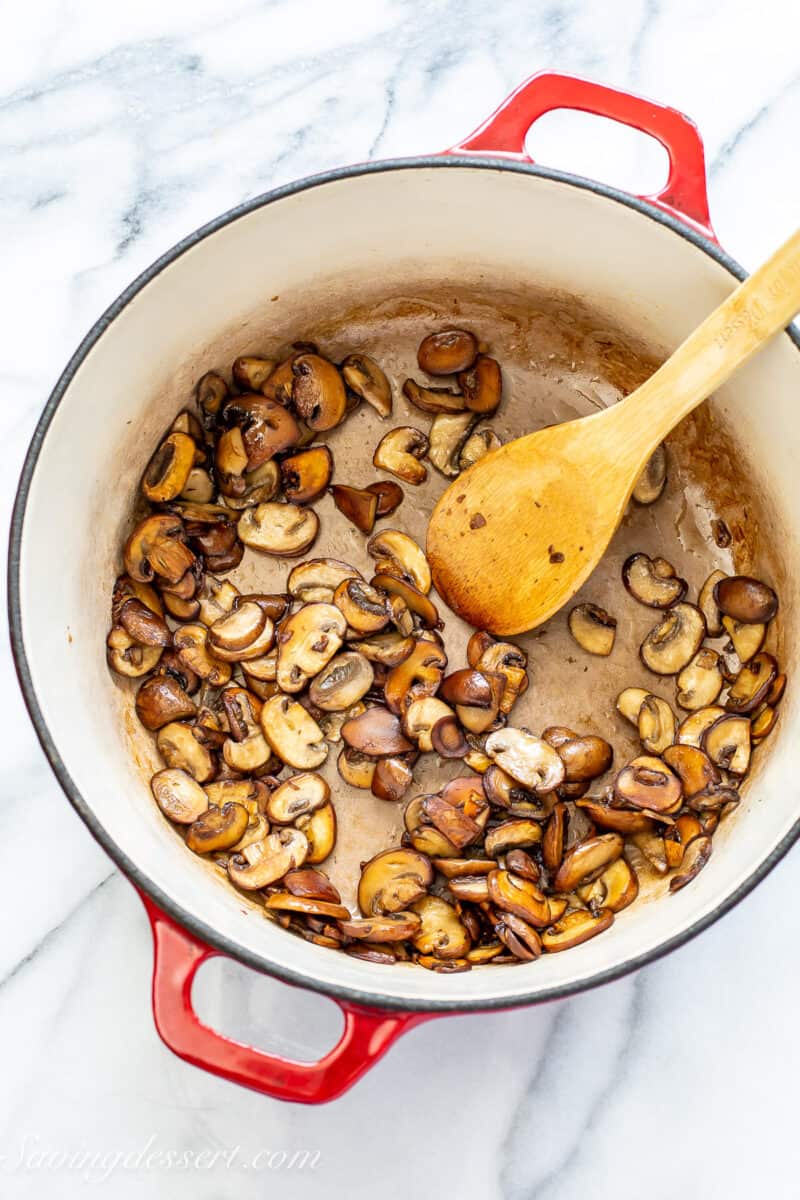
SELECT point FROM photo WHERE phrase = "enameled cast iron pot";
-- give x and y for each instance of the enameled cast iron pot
(652, 263)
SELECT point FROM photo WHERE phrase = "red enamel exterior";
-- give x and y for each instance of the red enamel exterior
(368, 1033)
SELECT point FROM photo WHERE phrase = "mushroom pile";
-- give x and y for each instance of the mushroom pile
(248, 693)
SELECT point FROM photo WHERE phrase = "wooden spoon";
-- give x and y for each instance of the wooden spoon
(518, 533)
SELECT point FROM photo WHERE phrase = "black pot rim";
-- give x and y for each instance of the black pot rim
(138, 877)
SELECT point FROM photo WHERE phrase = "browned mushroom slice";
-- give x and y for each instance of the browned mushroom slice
(422, 835)
(574, 928)
(293, 733)
(377, 732)
(356, 768)
(266, 862)
(763, 722)
(456, 868)
(584, 758)
(520, 938)
(252, 794)
(218, 829)
(656, 724)
(388, 649)
(441, 932)
(647, 783)
(390, 496)
(747, 639)
(307, 642)
(686, 828)
(127, 656)
(477, 445)
(521, 896)
(652, 581)
(629, 701)
(447, 437)
(526, 758)
(320, 831)
(554, 838)
(727, 743)
(358, 505)
(307, 905)
(399, 555)
(651, 846)
(433, 400)
(674, 641)
(618, 820)
(216, 597)
(342, 683)
(416, 676)
(199, 487)
(306, 475)
(393, 927)
(456, 825)
(512, 835)
(752, 685)
(307, 881)
(419, 718)
(509, 661)
(504, 792)
(399, 452)
(278, 385)
(166, 474)
(746, 600)
(318, 579)
(471, 889)
(691, 729)
(178, 746)
(615, 888)
(283, 529)
(239, 629)
(476, 697)
(480, 643)
(447, 738)
(447, 352)
(161, 699)
(250, 372)
(318, 392)
(651, 482)
(211, 392)
(392, 778)
(482, 385)
(157, 547)
(586, 860)
(364, 608)
(364, 377)
(693, 767)
(259, 485)
(775, 694)
(708, 605)
(187, 422)
(190, 641)
(593, 629)
(392, 881)
(409, 598)
(700, 681)
(297, 797)
(230, 459)
(178, 795)
(695, 857)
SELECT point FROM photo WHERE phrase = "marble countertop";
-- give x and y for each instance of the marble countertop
(122, 127)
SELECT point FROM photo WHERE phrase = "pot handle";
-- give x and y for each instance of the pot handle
(684, 196)
(178, 954)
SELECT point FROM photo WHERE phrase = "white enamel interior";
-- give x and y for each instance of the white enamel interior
(343, 239)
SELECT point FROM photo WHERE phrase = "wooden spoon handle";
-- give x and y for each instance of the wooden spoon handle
(759, 308)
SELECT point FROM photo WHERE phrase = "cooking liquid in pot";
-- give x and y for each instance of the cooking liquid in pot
(558, 363)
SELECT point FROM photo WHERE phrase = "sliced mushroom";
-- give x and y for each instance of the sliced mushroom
(211, 392)
(407, 599)
(700, 681)
(452, 821)
(307, 642)
(686, 828)
(218, 829)
(651, 482)
(586, 860)
(388, 649)
(512, 835)
(178, 746)
(238, 629)
(392, 881)
(504, 792)
(166, 474)
(356, 768)
(399, 452)
(178, 795)
(297, 797)
(629, 701)
(477, 445)
(342, 683)
(691, 729)
(708, 605)
(250, 372)
(377, 732)
(509, 661)
(433, 400)
(357, 504)
(520, 896)
(448, 434)
(127, 656)
(752, 685)
(157, 546)
(199, 487)
(161, 699)
(476, 697)
(230, 459)
(441, 932)
(364, 608)
(266, 862)
(747, 638)
(394, 927)
(306, 475)
(520, 938)
(258, 486)
(694, 768)
(447, 352)
(727, 743)
(648, 783)
(584, 758)
(652, 581)
(320, 831)
(390, 496)
(293, 733)
(618, 820)
(574, 928)
(191, 643)
(306, 881)
(307, 905)
(447, 738)
(615, 888)
(318, 392)
(418, 675)
(593, 629)
(317, 580)
(674, 641)
(526, 758)
(216, 597)
(482, 385)
(364, 377)
(420, 717)
(695, 857)
(392, 778)
(763, 722)
(399, 555)
(274, 528)
(656, 724)
(748, 601)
